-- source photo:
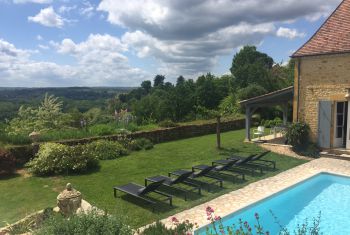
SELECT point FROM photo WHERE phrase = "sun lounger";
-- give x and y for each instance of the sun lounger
(141, 192)
(203, 173)
(172, 182)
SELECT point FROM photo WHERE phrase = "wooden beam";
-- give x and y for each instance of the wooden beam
(247, 122)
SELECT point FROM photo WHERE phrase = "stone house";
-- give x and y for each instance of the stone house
(322, 81)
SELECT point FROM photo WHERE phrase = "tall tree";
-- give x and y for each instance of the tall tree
(250, 66)
(147, 86)
(158, 80)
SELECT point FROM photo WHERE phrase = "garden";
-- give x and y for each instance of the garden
(24, 193)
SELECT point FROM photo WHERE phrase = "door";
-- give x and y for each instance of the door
(324, 124)
(340, 124)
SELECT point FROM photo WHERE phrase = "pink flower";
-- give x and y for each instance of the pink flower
(174, 220)
(217, 218)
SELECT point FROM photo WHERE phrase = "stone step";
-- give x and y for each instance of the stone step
(342, 156)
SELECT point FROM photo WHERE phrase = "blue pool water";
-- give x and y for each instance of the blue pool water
(325, 193)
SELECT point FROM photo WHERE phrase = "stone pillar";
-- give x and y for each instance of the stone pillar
(69, 200)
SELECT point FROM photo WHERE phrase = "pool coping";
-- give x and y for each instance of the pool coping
(240, 199)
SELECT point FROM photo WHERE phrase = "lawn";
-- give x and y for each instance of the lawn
(22, 194)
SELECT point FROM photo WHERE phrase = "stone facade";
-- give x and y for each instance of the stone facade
(319, 78)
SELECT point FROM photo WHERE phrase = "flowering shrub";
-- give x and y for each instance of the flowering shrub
(82, 224)
(216, 226)
(158, 228)
(54, 158)
(104, 149)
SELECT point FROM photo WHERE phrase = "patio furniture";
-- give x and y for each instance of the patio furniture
(141, 192)
(171, 182)
(241, 164)
(259, 132)
(202, 173)
(257, 160)
(224, 170)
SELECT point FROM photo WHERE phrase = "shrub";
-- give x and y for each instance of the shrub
(102, 129)
(82, 224)
(105, 149)
(167, 123)
(7, 162)
(159, 229)
(298, 135)
(271, 123)
(140, 143)
(54, 158)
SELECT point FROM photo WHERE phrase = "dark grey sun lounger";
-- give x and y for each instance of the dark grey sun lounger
(172, 182)
(257, 160)
(202, 173)
(224, 170)
(242, 164)
(140, 191)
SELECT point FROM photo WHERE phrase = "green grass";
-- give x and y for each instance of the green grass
(20, 195)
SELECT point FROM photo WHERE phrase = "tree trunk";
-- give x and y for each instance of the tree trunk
(218, 137)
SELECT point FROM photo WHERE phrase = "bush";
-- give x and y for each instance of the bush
(102, 129)
(140, 143)
(271, 123)
(167, 123)
(7, 162)
(298, 135)
(159, 229)
(54, 158)
(84, 224)
(105, 149)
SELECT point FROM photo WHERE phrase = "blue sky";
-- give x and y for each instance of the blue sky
(122, 42)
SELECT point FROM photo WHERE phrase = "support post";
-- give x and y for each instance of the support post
(285, 114)
(247, 123)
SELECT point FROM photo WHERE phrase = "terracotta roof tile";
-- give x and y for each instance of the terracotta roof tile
(332, 37)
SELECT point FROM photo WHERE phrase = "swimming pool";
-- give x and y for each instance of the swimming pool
(325, 193)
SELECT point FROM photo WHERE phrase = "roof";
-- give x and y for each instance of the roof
(332, 37)
(273, 98)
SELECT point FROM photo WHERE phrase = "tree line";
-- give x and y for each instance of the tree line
(253, 73)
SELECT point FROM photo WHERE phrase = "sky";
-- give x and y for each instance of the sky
(60, 43)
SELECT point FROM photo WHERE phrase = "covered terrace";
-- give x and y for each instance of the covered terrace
(277, 98)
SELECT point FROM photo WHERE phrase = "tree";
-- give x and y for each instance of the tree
(158, 80)
(180, 80)
(147, 86)
(47, 116)
(250, 66)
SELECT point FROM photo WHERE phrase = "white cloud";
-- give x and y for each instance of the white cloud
(289, 33)
(100, 62)
(48, 17)
(39, 37)
(187, 37)
(88, 9)
(43, 47)
(66, 9)
(32, 1)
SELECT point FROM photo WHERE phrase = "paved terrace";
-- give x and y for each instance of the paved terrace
(236, 200)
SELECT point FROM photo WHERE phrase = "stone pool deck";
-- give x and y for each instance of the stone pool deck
(254, 192)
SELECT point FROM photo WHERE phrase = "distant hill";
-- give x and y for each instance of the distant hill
(82, 98)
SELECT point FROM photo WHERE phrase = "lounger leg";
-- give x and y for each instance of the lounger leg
(115, 193)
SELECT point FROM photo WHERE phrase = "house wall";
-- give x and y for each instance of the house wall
(317, 78)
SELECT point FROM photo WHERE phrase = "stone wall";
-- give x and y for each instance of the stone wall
(170, 134)
(24, 153)
(324, 78)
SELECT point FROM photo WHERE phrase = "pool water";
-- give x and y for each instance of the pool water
(325, 193)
